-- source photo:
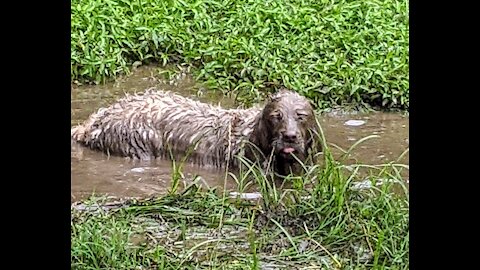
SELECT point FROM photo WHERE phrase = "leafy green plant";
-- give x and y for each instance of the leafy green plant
(334, 52)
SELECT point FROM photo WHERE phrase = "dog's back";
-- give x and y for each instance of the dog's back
(157, 124)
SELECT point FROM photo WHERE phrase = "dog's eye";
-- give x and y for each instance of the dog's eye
(276, 116)
(302, 116)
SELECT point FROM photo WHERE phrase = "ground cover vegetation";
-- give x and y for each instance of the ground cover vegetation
(332, 51)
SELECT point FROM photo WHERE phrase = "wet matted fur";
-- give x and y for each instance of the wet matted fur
(161, 124)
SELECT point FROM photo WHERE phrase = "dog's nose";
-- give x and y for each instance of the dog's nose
(289, 136)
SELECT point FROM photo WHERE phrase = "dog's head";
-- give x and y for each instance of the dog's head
(286, 127)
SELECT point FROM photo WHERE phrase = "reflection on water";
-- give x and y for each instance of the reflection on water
(96, 172)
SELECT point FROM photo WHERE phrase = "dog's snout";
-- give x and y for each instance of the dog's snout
(289, 136)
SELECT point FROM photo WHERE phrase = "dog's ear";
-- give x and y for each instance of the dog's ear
(260, 135)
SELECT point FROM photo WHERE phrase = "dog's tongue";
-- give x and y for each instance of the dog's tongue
(288, 150)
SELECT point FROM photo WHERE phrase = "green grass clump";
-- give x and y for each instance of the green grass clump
(334, 52)
(107, 242)
(319, 220)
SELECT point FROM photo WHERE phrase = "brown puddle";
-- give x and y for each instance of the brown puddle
(94, 172)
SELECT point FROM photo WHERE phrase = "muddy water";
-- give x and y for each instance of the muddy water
(94, 172)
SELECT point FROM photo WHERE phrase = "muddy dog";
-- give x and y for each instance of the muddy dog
(163, 124)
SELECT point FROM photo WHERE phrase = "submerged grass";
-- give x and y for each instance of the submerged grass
(332, 51)
(323, 220)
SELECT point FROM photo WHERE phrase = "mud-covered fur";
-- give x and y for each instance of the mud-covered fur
(158, 124)
(285, 126)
